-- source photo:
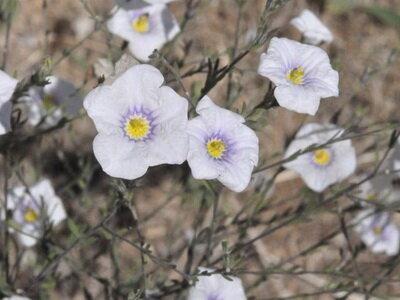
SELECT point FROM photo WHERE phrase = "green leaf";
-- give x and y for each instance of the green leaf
(385, 15)
(73, 227)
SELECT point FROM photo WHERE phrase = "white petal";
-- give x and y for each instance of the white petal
(119, 24)
(170, 147)
(139, 85)
(65, 94)
(55, 208)
(120, 157)
(392, 234)
(105, 110)
(172, 107)
(27, 240)
(200, 164)
(216, 285)
(313, 29)
(5, 117)
(170, 143)
(215, 115)
(7, 87)
(297, 98)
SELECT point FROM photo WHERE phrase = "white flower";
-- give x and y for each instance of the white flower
(7, 87)
(368, 194)
(53, 101)
(387, 184)
(378, 232)
(15, 297)
(302, 74)
(158, 1)
(312, 28)
(140, 123)
(325, 166)
(31, 207)
(221, 146)
(145, 27)
(216, 287)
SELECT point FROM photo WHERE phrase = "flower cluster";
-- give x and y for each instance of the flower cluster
(142, 123)
(146, 124)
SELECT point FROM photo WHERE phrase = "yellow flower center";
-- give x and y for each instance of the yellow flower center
(216, 148)
(141, 24)
(377, 230)
(137, 128)
(296, 75)
(30, 215)
(322, 157)
(48, 102)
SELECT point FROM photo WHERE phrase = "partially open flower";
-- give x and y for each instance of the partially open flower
(53, 101)
(221, 146)
(7, 87)
(16, 297)
(378, 232)
(302, 75)
(32, 207)
(216, 287)
(314, 31)
(158, 1)
(145, 27)
(140, 123)
(326, 165)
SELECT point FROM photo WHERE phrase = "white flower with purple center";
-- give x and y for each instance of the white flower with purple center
(48, 104)
(301, 73)
(221, 147)
(313, 30)
(324, 166)
(140, 123)
(31, 208)
(216, 287)
(146, 27)
(378, 232)
(7, 87)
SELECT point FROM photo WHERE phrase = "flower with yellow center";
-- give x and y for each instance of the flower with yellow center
(137, 128)
(140, 123)
(141, 24)
(221, 147)
(29, 205)
(145, 29)
(296, 75)
(325, 166)
(216, 148)
(30, 215)
(378, 231)
(322, 157)
(302, 75)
